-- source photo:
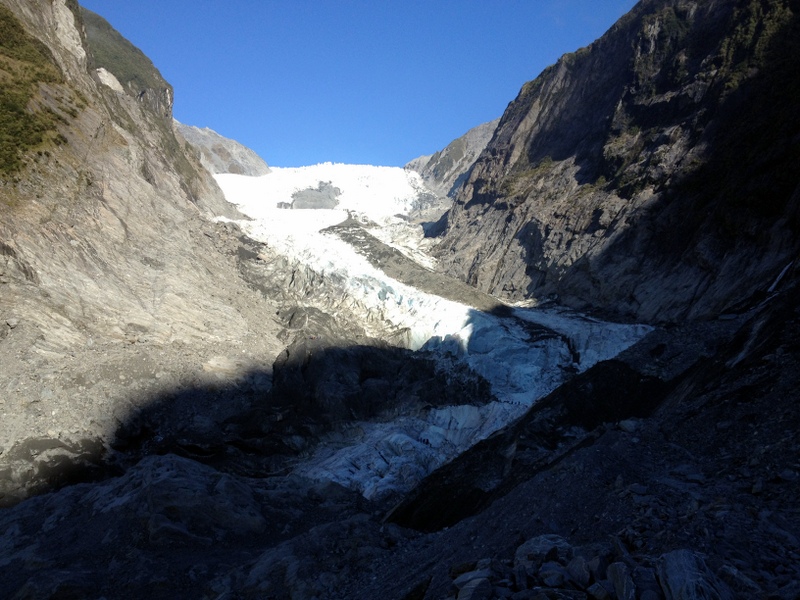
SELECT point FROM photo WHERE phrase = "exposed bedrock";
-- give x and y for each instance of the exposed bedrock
(325, 195)
(650, 175)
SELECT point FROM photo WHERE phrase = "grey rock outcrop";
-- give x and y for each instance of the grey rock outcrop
(220, 154)
(325, 195)
(682, 575)
(645, 175)
(444, 171)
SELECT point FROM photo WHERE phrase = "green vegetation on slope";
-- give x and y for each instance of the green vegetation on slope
(108, 49)
(25, 63)
(748, 46)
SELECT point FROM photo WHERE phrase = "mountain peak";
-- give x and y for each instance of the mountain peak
(220, 154)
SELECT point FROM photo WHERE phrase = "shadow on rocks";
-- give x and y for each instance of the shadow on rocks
(258, 423)
(195, 497)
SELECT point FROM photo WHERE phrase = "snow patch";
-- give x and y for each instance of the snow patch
(108, 79)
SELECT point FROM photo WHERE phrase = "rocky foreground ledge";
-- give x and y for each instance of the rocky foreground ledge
(547, 567)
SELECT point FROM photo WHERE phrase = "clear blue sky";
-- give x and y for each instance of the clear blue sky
(355, 81)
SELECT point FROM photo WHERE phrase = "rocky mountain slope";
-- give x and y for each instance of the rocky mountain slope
(107, 276)
(651, 174)
(444, 171)
(219, 154)
(172, 389)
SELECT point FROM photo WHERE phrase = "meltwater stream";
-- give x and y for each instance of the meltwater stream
(385, 457)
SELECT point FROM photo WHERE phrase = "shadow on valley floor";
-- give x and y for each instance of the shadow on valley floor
(572, 467)
(562, 422)
(257, 423)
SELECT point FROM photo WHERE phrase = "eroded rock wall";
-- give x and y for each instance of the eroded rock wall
(649, 175)
(110, 269)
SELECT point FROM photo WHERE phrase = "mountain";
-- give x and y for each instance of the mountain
(445, 170)
(220, 154)
(107, 276)
(236, 387)
(649, 175)
(123, 67)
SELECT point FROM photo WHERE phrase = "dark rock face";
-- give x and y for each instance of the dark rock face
(324, 378)
(557, 571)
(648, 175)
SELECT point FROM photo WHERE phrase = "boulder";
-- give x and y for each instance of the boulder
(685, 576)
(544, 547)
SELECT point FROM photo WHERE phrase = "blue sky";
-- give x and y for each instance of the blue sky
(354, 81)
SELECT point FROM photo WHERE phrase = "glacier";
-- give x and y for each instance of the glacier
(378, 459)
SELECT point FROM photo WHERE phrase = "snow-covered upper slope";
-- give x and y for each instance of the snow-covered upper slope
(376, 192)
(395, 456)
(380, 195)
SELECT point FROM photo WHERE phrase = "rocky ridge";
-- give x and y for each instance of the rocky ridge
(650, 174)
(445, 170)
(219, 154)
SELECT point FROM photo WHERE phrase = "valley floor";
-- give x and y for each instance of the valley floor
(396, 434)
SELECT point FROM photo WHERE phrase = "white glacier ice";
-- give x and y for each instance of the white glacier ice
(378, 458)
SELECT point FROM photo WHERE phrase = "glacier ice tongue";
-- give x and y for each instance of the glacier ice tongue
(382, 458)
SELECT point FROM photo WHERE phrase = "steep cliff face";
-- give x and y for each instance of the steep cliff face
(651, 174)
(83, 203)
(104, 274)
(118, 59)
